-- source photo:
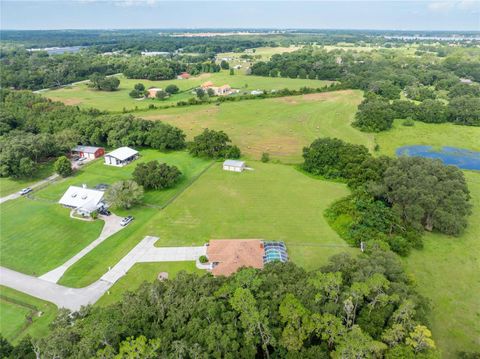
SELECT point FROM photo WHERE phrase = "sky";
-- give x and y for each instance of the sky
(339, 14)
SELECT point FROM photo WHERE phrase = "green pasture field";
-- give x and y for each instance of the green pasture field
(446, 271)
(279, 126)
(433, 134)
(275, 202)
(10, 185)
(81, 95)
(144, 272)
(97, 172)
(15, 307)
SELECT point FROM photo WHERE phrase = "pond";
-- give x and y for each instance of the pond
(460, 157)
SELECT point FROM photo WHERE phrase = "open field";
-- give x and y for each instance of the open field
(447, 272)
(80, 94)
(37, 236)
(97, 172)
(442, 134)
(15, 307)
(144, 272)
(280, 126)
(10, 185)
(274, 202)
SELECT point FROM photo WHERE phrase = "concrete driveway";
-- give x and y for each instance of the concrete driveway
(32, 186)
(112, 226)
(75, 298)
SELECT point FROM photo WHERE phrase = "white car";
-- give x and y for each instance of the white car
(25, 191)
(126, 221)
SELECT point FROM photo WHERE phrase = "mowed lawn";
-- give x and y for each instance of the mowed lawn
(97, 172)
(80, 94)
(37, 236)
(274, 202)
(10, 185)
(145, 272)
(14, 309)
(280, 126)
(442, 134)
(447, 272)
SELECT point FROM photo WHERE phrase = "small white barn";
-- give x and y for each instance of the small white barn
(121, 156)
(82, 199)
(233, 165)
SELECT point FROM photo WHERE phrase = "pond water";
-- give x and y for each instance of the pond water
(462, 158)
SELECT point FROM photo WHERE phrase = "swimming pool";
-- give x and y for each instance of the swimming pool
(460, 157)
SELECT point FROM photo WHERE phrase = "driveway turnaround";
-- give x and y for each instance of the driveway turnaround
(75, 298)
(32, 186)
(112, 226)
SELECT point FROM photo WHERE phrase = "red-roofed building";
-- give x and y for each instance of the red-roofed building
(183, 76)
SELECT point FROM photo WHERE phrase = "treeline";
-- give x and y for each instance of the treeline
(160, 68)
(376, 113)
(33, 129)
(393, 200)
(37, 70)
(383, 76)
(362, 69)
(133, 41)
(363, 307)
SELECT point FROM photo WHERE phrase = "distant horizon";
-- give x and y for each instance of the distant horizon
(213, 29)
(398, 15)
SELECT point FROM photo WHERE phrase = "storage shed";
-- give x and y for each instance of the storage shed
(121, 156)
(234, 165)
(89, 152)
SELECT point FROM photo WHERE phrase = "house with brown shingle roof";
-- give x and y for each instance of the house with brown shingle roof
(227, 256)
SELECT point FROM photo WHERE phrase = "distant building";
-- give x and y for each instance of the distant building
(121, 156)
(466, 81)
(206, 85)
(183, 76)
(234, 166)
(223, 90)
(82, 199)
(152, 92)
(256, 92)
(155, 53)
(89, 152)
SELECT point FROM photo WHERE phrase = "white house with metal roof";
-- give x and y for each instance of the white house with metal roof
(121, 156)
(234, 165)
(82, 199)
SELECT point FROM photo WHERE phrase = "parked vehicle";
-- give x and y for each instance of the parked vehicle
(25, 191)
(126, 221)
(104, 211)
(81, 159)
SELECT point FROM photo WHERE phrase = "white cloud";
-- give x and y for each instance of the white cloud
(447, 5)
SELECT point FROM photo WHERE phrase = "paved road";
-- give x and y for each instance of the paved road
(63, 297)
(37, 184)
(75, 298)
(112, 226)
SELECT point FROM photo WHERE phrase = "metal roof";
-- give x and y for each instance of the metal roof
(122, 153)
(79, 197)
(86, 149)
(234, 163)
